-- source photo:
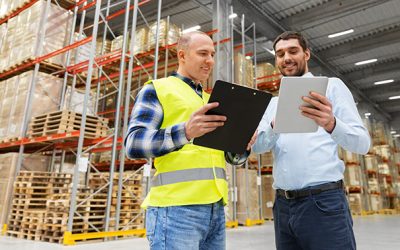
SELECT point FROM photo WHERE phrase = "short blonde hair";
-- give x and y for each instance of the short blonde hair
(185, 39)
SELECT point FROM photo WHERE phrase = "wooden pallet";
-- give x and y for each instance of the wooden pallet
(65, 121)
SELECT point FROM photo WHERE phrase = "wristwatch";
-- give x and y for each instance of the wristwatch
(236, 159)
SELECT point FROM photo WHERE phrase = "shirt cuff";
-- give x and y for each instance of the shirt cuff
(265, 140)
(339, 131)
(178, 135)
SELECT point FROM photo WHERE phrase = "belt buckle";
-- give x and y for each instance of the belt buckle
(288, 196)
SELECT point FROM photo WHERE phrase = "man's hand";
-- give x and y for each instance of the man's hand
(200, 123)
(321, 112)
(252, 141)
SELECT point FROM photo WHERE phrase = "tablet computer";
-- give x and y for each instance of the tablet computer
(288, 117)
(243, 107)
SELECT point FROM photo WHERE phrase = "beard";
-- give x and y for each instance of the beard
(300, 71)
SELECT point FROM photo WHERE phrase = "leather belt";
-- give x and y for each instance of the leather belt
(294, 194)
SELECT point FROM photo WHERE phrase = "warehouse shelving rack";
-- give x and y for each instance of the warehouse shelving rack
(75, 141)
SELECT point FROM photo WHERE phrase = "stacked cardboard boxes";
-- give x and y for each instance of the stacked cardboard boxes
(24, 31)
(15, 93)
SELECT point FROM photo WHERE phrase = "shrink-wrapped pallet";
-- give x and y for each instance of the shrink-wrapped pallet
(352, 175)
(247, 72)
(267, 159)
(355, 203)
(80, 53)
(268, 196)
(25, 29)
(269, 76)
(168, 34)
(6, 104)
(46, 97)
(140, 45)
(376, 202)
(370, 162)
(248, 200)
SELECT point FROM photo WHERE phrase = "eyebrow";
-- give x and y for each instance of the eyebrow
(293, 47)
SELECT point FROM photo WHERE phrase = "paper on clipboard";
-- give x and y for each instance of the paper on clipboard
(243, 107)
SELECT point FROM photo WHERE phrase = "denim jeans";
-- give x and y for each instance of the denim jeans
(316, 222)
(192, 227)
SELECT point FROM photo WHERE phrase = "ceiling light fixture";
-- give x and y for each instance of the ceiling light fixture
(367, 114)
(194, 28)
(383, 82)
(396, 135)
(366, 62)
(393, 132)
(341, 33)
(271, 51)
(394, 97)
(233, 15)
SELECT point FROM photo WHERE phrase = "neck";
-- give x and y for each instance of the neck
(183, 73)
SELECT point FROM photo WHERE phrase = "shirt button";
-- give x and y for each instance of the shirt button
(285, 150)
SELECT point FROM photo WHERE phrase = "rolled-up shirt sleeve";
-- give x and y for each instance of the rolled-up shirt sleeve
(266, 137)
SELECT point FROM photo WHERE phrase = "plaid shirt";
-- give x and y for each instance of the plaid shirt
(145, 139)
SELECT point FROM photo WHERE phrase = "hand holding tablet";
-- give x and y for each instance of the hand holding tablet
(290, 118)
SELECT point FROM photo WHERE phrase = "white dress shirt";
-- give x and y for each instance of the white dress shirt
(308, 159)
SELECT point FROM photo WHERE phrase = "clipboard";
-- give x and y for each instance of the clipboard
(288, 117)
(244, 107)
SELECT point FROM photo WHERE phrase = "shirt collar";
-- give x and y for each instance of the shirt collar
(308, 74)
(197, 87)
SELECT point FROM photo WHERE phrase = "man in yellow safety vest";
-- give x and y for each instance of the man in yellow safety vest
(185, 206)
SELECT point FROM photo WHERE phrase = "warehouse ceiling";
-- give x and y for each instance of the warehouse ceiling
(376, 25)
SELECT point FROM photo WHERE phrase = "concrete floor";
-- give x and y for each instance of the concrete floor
(374, 232)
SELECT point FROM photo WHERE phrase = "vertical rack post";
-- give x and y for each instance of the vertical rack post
(117, 114)
(126, 112)
(83, 122)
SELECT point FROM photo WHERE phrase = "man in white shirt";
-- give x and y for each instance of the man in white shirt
(311, 210)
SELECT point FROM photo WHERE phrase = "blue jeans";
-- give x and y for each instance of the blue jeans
(191, 227)
(315, 222)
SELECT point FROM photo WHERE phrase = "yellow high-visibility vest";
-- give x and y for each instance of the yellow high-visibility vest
(193, 174)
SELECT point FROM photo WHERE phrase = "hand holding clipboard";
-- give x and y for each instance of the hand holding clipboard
(243, 107)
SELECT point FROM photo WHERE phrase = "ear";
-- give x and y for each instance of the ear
(181, 55)
(307, 54)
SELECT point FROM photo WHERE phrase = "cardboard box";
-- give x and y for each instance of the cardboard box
(248, 200)
(268, 196)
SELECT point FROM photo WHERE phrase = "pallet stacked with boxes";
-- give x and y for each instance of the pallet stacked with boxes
(372, 180)
(353, 181)
(268, 193)
(268, 78)
(22, 41)
(15, 91)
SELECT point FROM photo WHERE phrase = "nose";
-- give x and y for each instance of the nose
(287, 57)
(210, 59)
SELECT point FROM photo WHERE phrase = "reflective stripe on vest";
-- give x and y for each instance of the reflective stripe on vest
(194, 174)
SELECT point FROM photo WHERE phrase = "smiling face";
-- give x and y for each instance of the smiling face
(290, 57)
(196, 60)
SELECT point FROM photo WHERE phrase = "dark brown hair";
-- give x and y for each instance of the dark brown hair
(292, 35)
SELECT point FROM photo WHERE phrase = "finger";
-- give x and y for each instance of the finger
(312, 102)
(212, 124)
(207, 107)
(320, 97)
(213, 118)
